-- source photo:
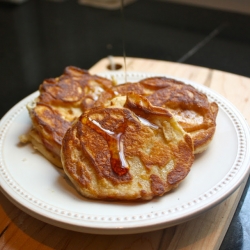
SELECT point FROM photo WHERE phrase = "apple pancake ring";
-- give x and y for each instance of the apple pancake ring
(135, 152)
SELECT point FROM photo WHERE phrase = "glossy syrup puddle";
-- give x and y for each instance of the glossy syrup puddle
(147, 123)
(115, 144)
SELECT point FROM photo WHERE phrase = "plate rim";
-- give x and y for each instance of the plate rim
(130, 226)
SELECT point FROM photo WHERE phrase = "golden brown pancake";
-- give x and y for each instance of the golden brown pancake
(61, 101)
(191, 108)
(134, 152)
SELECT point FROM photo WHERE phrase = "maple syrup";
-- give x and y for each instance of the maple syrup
(115, 144)
(123, 39)
(147, 123)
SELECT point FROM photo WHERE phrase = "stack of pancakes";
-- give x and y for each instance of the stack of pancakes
(121, 142)
(60, 102)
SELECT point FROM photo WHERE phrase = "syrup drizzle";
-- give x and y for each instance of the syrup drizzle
(147, 122)
(123, 39)
(115, 144)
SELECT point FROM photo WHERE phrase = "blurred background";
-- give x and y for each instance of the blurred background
(39, 38)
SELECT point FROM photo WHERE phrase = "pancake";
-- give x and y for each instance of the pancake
(61, 100)
(133, 152)
(191, 108)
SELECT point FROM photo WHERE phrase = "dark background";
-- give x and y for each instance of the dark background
(39, 38)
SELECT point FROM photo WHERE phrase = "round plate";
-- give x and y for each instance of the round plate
(42, 190)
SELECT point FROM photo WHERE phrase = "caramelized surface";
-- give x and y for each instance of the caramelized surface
(125, 142)
(190, 107)
(61, 101)
(151, 155)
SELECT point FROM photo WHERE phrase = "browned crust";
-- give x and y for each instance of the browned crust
(75, 86)
(50, 127)
(177, 97)
(182, 163)
(158, 187)
(61, 101)
(35, 139)
(95, 150)
(87, 156)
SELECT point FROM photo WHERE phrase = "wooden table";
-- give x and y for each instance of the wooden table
(19, 230)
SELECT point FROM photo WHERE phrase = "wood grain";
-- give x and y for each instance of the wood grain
(19, 230)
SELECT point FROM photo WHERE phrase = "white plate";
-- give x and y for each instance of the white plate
(40, 189)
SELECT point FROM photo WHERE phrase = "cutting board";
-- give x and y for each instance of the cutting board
(208, 230)
(19, 230)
